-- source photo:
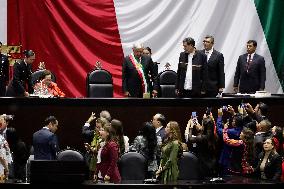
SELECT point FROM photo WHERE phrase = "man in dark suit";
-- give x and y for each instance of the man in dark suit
(136, 69)
(45, 141)
(215, 66)
(4, 72)
(192, 71)
(159, 122)
(21, 83)
(250, 72)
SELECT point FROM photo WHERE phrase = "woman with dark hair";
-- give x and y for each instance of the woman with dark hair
(121, 139)
(107, 169)
(146, 144)
(20, 154)
(235, 124)
(46, 86)
(269, 164)
(21, 84)
(202, 142)
(171, 151)
(242, 155)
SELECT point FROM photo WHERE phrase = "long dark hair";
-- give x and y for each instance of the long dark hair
(249, 142)
(118, 128)
(208, 125)
(149, 132)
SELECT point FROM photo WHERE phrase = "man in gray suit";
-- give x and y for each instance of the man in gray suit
(250, 72)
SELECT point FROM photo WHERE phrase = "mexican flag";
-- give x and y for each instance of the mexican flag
(71, 35)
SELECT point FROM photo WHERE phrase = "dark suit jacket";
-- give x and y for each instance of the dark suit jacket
(216, 75)
(131, 80)
(4, 73)
(108, 165)
(273, 166)
(21, 78)
(161, 133)
(254, 79)
(45, 144)
(199, 71)
(88, 134)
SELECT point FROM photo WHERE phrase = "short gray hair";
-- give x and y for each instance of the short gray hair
(138, 45)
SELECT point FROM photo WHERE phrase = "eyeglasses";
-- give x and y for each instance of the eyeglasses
(206, 41)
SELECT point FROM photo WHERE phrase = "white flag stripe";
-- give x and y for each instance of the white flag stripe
(3, 21)
(163, 24)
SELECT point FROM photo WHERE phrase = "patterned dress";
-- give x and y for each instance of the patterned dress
(140, 145)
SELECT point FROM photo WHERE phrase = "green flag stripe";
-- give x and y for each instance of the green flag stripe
(270, 13)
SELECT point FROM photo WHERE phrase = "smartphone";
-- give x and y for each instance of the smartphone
(225, 108)
(208, 111)
(194, 118)
(243, 105)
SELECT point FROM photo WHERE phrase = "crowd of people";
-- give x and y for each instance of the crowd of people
(240, 142)
(200, 73)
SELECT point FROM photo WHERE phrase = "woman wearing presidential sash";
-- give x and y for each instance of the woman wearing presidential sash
(136, 69)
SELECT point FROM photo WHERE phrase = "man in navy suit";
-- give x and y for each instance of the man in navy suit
(215, 66)
(45, 141)
(192, 71)
(250, 72)
(136, 69)
(4, 72)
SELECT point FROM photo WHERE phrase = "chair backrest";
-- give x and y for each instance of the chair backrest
(53, 171)
(70, 155)
(167, 81)
(132, 166)
(99, 84)
(188, 167)
(37, 74)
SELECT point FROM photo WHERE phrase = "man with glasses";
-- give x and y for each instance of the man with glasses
(4, 72)
(215, 66)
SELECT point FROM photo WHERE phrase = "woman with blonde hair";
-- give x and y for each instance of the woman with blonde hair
(171, 151)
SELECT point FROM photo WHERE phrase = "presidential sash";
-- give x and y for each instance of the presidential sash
(140, 70)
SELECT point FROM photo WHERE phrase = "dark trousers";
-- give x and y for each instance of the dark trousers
(190, 94)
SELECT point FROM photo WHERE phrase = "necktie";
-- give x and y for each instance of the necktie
(249, 61)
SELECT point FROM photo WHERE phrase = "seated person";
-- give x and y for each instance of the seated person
(45, 86)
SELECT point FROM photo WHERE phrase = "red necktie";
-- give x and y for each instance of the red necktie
(249, 61)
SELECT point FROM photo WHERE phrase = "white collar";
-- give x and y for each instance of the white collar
(158, 129)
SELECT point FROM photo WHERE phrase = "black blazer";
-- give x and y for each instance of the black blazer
(216, 75)
(4, 73)
(21, 77)
(273, 166)
(199, 71)
(131, 80)
(252, 80)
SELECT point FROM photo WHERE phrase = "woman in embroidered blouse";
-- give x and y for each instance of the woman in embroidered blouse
(5, 154)
(94, 148)
(269, 164)
(146, 144)
(243, 154)
(172, 148)
(46, 87)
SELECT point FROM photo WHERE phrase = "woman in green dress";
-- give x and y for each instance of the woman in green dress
(171, 150)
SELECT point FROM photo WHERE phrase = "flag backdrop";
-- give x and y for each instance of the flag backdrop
(70, 36)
